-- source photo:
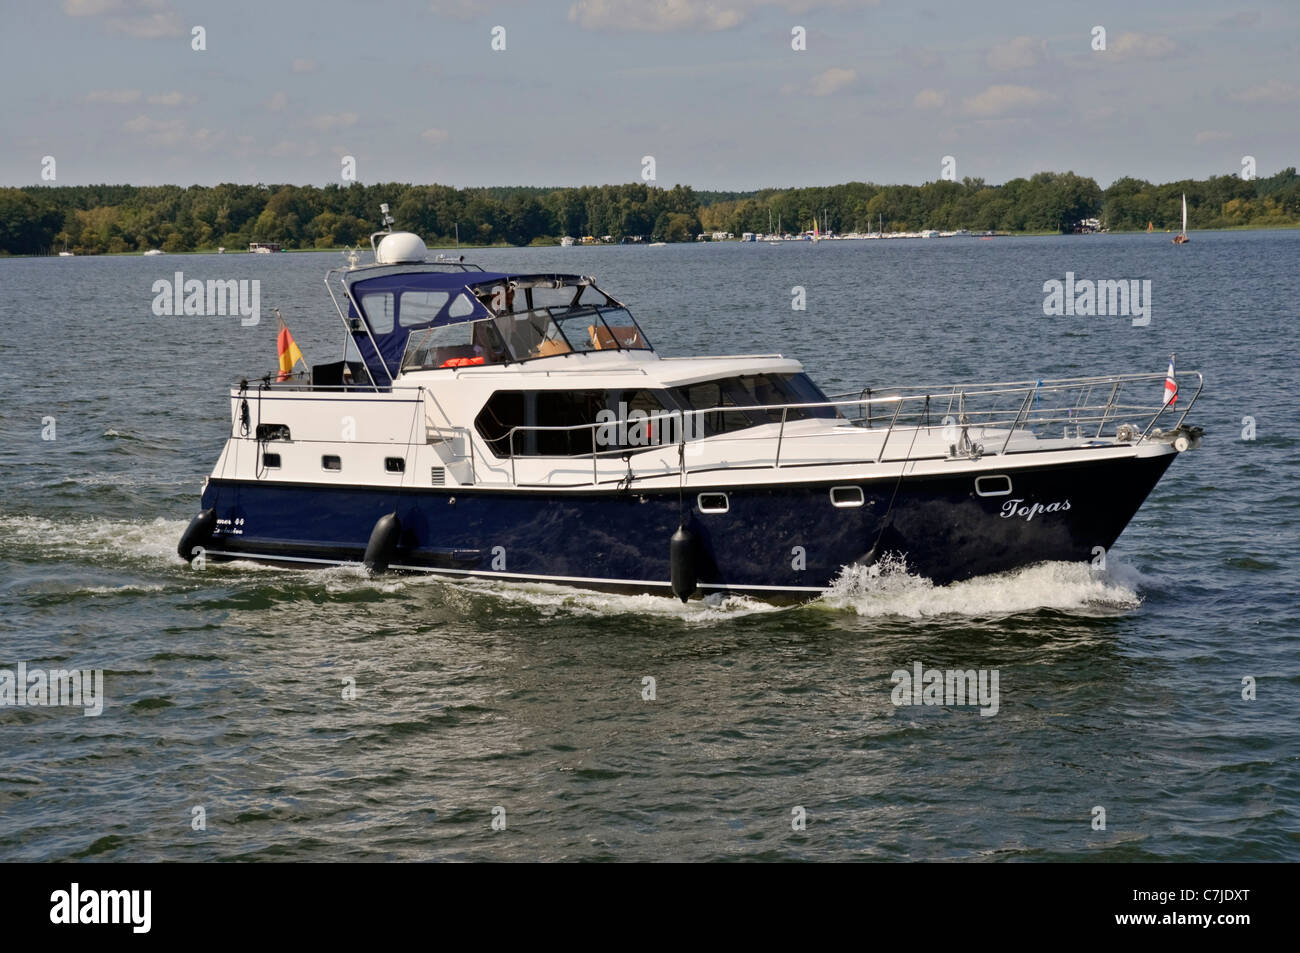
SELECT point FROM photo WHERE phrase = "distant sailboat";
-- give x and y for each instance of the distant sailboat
(1181, 238)
(779, 234)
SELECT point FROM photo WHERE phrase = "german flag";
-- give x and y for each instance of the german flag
(290, 356)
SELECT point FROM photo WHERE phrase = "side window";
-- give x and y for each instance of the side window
(421, 307)
(579, 410)
(379, 309)
(504, 410)
(565, 409)
(455, 345)
(462, 307)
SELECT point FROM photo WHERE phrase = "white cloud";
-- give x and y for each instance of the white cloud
(1274, 92)
(304, 66)
(664, 16)
(930, 99)
(277, 102)
(1023, 52)
(1211, 135)
(174, 98)
(174, 134)
(833, 80)
(329, 122)
(89, 8)
(655, 16)
(295, 149)
(435, 136)
(159, 132)
(117, 97)
(147, 19)
(997, 100)
(1142, 46)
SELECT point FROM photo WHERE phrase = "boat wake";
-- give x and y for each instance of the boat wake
(153, 540)
(888, 589)
(552, 600)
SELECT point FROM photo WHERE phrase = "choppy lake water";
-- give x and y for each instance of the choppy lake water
(1120, 690)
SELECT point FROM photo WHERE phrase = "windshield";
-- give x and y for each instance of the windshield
(524, 335)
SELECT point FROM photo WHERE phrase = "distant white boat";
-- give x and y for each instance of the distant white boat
(66, 254)
(566, 241)
(221, 249)
(656, 244)
(153, 251)
(930, 233)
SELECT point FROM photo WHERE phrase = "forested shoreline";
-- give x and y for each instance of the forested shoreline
(119, 219)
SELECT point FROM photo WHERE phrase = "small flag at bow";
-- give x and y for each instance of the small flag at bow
(1171, 385)
(290, 356)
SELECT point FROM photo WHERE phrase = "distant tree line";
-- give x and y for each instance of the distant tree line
(99, 219)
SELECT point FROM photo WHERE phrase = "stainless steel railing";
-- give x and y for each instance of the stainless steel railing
(1084, 405)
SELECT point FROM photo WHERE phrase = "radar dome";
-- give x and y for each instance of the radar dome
(400, 248)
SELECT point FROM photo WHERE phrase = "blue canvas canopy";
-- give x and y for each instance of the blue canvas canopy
(391, 340)
(395, 305)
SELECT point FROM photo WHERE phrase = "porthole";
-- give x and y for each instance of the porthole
(331, 462)
(995, 484)
(713, 502)
(394, 465)
(846, 496)
(270, 461)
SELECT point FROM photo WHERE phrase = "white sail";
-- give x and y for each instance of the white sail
(1184, 213)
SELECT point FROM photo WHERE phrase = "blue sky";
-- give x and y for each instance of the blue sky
(585, 88)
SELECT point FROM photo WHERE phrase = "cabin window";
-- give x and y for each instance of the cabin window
(846, 496)
(713, 503)
(420, 307)
(394, 465)
(331, 462)
(754, 390)
(624, 420)
(270, 461)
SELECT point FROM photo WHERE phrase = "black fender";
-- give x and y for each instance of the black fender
(198, 533)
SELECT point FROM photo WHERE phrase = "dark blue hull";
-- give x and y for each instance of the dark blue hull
(787, 540)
